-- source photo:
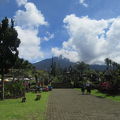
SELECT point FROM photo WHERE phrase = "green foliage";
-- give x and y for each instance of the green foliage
(104, 95)
(81, 67)
(14, 89)
(23, 68)
(55, 79)
(8, 45)
(112, 73)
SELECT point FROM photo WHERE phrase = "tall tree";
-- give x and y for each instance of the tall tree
(107, 62)
(80, 68)
(53, 68)
(9, 43)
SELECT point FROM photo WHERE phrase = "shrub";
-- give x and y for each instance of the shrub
(105, 86)
(14, 89)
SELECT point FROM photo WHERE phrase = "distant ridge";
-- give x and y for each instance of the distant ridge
(98, 67)
(46, 64)
(62, 63)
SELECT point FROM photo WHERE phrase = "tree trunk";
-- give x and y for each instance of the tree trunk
(2, 80)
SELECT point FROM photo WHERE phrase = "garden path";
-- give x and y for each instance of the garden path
(69, 104)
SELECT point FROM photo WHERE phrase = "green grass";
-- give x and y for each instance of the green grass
(103, 95)
(13, 109)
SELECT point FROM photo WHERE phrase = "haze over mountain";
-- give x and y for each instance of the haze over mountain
(62, 63)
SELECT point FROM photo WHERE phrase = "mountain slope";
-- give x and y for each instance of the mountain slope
(46, 64)
(98, 67)
(62, 63)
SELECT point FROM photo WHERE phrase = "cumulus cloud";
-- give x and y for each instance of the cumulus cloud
(70, 54)
(31, 17)
(90, 40)
(30, 44)
(28, 22)
(83, 3)
(21, 2)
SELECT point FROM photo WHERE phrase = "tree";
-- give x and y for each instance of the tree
(107, 62)
(9, 43)
(23, 68)
(80, 69)
(53, 68)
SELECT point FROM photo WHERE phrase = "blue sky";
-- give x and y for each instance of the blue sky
(56, 36)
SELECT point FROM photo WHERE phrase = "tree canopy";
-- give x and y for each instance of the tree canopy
(9, 42)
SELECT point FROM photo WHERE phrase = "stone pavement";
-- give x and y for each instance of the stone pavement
(69, 104)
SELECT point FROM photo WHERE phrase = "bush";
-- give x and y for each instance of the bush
(105, 86)
(14, 89)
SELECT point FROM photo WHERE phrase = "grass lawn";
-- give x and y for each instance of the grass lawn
(13, 109)
(99, 94)
(103, 95)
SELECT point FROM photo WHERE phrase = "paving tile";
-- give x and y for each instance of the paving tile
(69, 104)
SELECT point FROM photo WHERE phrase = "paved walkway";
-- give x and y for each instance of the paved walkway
(69, 104)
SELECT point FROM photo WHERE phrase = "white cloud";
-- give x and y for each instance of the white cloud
(70, 54)
(83, 3)
(28, 22)
(31, 17)
(21, 2)
(91, 40)
(48, 36)
(29, 47)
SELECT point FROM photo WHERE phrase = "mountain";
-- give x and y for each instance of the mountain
(98, 67)
(46, 64)
(62, 63)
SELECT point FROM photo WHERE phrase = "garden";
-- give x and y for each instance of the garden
(24, 90)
